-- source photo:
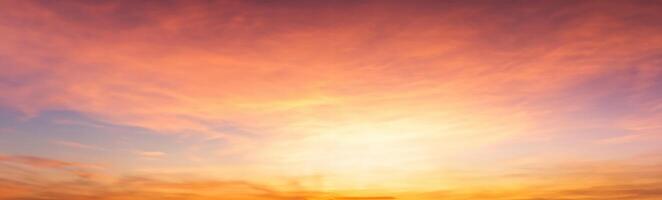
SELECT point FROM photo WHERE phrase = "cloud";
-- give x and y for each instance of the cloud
(145, 187)
(39, 162)
(580, 180)
(151, 154)
(403, 62)
(585, 180)
(33, 163)
(75, 145)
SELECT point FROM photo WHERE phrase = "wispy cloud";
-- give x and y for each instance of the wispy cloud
(82, 170)
(39, 162)
(608, 181)
(75, 145)
(151, 154)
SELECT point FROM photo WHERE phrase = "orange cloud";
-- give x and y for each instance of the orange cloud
(39, 162)
(175, 82)
(581, 180)
(151, 154)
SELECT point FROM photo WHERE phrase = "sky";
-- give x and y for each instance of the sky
(322, 100)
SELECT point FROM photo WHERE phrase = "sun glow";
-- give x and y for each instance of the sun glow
(359, 155)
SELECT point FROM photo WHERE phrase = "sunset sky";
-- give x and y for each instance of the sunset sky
(323, 100)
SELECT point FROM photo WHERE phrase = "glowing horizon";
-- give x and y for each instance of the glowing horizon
(330, 100)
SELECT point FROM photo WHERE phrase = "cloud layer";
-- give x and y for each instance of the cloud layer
(395, 97)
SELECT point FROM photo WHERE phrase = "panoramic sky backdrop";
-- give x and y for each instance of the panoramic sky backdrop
(266, 100)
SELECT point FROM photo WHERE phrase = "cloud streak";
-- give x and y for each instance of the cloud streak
(583, 180)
